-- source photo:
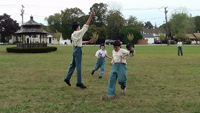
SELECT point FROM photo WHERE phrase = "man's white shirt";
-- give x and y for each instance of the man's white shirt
(179, 44)
(78, 35)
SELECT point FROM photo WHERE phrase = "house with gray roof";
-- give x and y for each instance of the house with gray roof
(155, 32)
(149, 38)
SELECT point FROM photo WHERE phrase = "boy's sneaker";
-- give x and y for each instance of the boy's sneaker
(92, 73)
(67, 82)
(81, 86)
(100, 77)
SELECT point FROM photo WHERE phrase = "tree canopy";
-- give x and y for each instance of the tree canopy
(109, 21)
(8, 27)
(197, 23)
(133, 22)
(130, 30)
(148, 25)
(181, 23)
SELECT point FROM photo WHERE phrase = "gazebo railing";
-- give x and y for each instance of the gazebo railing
(31, 45)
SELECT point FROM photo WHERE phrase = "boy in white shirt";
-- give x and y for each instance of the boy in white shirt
(100, 55)
(119, 69)
(76, 37)
(179, 45)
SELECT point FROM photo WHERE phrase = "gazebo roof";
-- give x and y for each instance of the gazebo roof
(31, 27)
(31, 22)
(29, 31)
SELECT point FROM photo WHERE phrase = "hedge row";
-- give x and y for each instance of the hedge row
(31, 50)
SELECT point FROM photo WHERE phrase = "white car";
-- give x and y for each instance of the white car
(110, 42)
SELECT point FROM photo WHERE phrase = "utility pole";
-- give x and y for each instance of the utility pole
(166, 25)
(22, 14)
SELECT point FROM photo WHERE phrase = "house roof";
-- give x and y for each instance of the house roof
(190, 36)
(151, 31)
(197, 34)
(53, 34)
(147, 35)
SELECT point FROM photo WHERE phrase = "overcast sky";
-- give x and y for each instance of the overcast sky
(144, 10)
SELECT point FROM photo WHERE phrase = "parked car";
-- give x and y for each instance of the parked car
(157, 42)
(110, 42)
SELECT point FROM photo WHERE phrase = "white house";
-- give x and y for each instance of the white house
(65, 42)
(155, 32)
(149, 38)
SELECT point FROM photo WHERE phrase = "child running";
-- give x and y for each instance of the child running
(119, 69)
(100, 55)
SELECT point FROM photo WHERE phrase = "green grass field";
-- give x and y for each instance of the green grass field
(158, 80)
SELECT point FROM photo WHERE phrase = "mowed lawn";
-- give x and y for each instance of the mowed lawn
(158, 80)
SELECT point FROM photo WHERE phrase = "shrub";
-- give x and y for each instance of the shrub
(172, 42)
(31, 50)
(188, 42)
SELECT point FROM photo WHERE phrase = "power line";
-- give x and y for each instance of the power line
(35, 15)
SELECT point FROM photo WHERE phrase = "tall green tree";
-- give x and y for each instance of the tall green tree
(93, 28)
(197, 23)
(148, 25)
(100, 10)
(181, 23)
(116, 32)
(8, 27)
(125, 30)
(98, 21)
(113, 18)
(133, 22)
(68, 16)
(54, 22)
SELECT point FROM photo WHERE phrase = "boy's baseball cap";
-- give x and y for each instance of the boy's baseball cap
(75, 25)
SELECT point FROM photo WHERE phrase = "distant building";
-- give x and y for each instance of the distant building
(149, 38)
(152, 34)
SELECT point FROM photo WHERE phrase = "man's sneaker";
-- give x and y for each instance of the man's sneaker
(107, 97)
(92, 73)
(81, 86)
(67, 82)
(100, 77)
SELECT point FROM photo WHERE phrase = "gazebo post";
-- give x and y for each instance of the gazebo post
(22, 39)
(46, 39)
(40, 38)
(19, 41)
(30, 40)
(43, 38)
